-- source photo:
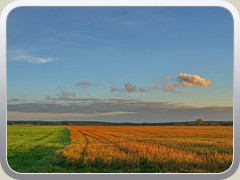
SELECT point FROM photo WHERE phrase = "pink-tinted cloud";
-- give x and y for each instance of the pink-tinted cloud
(130, 87)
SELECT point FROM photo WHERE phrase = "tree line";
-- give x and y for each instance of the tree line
(197, 122)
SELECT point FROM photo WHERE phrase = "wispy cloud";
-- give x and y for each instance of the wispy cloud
(78, 35)
(85, 84)
(169, 84)
(22, 115)
(15, 101)
(113, 89)
(183, 81)
(139, 110)
(141, 89)
(63, 94)
(127, 23)
(32, 59)
(21, 56)
(128, 88)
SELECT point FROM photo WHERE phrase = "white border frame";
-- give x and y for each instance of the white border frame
(124, 3)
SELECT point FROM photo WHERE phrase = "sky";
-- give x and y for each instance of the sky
(120, 64)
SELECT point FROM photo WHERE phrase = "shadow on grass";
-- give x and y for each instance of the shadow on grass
(32, 161)
(50, 160)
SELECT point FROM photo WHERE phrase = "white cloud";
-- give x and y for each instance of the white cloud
(32, 59)
(21, 56)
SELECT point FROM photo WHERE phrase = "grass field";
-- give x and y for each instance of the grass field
(31, 148)
(137, 149)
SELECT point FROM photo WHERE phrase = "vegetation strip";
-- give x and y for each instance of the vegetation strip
(138, 149)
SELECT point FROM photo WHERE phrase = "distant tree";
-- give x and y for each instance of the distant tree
(11, 123)
(215, 124)
(199, 121)
(229, 123)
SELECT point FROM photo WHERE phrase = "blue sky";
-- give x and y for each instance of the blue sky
(120, 64)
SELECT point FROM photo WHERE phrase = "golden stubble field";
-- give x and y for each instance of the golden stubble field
(202, 149)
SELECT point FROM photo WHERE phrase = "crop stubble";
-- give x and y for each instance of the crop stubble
(150, 148)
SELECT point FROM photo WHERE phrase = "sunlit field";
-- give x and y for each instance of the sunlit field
(121, 149)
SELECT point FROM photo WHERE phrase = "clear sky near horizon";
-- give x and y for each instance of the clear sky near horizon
(120, 64)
